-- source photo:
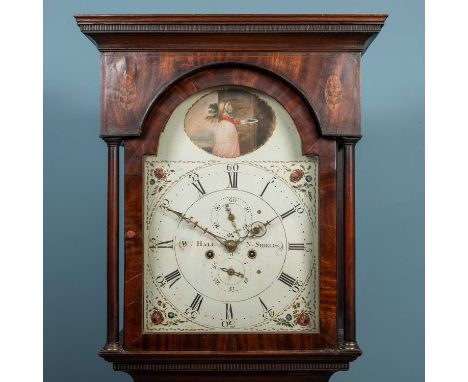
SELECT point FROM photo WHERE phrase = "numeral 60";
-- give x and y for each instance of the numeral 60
(232, 167)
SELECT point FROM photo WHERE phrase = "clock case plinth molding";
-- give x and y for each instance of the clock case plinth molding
(308, 63)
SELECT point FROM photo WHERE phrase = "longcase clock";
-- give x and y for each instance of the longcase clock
(239, 134)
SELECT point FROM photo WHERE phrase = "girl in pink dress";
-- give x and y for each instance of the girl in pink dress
(226, 138)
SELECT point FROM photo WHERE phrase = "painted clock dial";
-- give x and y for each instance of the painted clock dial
(230, 219)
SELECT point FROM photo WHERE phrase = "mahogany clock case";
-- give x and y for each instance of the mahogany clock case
(147, 144)
(309, 64)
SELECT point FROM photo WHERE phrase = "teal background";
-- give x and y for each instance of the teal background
(389, 184)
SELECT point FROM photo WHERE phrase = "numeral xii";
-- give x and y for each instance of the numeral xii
(233, 179)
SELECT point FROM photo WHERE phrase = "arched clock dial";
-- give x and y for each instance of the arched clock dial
(226, 255)
(231, 219)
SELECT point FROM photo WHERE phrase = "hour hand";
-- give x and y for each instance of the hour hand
(195, 224)
(232, 272)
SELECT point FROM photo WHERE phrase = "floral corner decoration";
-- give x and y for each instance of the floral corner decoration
(299, 316)
(296, 175)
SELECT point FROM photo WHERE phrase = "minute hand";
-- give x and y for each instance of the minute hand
(269, 221)
(196, 225)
